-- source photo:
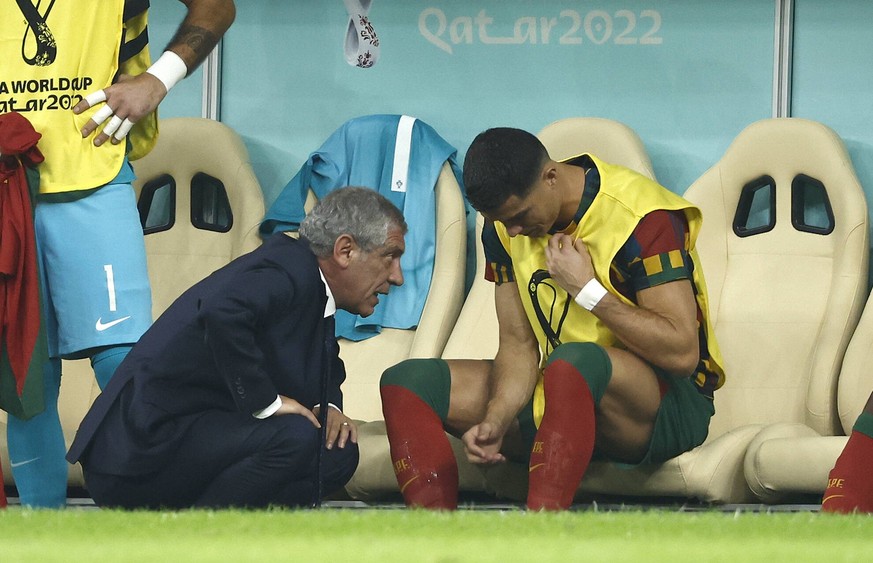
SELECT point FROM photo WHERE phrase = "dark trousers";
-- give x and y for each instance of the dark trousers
(233, 460)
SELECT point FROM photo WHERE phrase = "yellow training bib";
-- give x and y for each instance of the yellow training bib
(625, 197)
(54, 54)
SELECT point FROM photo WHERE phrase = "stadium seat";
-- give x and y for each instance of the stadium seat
(785, 299)
(215, 213)
(474, 335)
(609, 140)
(201, 204)
(358, 142)
(790, 462)
(784, 248)
(365, 360)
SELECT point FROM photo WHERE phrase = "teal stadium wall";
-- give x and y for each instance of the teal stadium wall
(686, 75)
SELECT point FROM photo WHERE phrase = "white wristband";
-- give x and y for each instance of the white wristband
(591, 294)
(169, 69)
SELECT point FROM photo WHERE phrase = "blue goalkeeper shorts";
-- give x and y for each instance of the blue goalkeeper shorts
(93, 269)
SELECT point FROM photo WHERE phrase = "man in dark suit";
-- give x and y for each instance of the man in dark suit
(217, 404)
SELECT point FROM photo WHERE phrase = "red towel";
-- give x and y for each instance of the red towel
(19, 281)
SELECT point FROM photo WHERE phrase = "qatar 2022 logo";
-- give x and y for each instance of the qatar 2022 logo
(38, 47)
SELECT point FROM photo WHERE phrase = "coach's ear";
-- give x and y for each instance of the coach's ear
(343, 249)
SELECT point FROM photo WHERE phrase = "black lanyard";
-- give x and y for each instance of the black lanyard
(553, 336)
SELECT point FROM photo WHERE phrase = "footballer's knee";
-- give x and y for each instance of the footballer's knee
(588, 359)
(429, 379)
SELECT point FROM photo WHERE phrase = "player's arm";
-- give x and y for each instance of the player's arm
(514, 372)
(202, 28)
(131, 98)
(513, 377)
(662, 329)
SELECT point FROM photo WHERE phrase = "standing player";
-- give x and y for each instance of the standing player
(605, 339)
(93, 59)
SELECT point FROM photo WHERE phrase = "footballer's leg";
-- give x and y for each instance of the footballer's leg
(574, 381)
(36, 448)
(647, 415)
(594, 396)
(421, 400)
(627, 411)
(850, 486)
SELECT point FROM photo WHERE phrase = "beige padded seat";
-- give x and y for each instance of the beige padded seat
(374, 477)
(474, 335)
(609, 140)
(183, 254)
(784, 305)
(790, 461)
(367, 359)
(787, 301)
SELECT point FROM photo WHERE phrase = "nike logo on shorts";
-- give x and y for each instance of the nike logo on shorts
(101, 326)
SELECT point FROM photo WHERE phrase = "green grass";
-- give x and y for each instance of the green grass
(334, 536)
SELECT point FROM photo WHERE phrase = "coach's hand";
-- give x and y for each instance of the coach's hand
(340, 428)
(482, 444)
(290, 406)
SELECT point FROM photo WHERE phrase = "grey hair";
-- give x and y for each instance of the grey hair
(363, 213)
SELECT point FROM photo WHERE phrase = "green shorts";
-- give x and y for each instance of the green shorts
(682, 422)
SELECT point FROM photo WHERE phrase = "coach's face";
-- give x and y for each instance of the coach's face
(371, 274)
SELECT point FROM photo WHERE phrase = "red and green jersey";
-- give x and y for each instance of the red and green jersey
(639, 235)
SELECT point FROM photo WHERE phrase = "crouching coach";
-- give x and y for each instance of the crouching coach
(219, 404)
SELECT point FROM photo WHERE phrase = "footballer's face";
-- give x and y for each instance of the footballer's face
(372, 273)
(532, 215)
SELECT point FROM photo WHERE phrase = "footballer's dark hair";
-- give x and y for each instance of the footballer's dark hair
(502, 162)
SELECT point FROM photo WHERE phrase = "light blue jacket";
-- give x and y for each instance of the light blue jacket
(361, 153)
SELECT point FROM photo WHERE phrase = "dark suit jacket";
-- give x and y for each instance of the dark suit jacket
(249, 331)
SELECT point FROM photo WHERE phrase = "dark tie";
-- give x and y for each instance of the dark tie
(329, 336)
(328, 328)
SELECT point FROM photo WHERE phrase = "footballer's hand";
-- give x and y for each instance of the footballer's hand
(569, 262)
(340, 428)
(290, 406)
(482, 444)
(125, 102)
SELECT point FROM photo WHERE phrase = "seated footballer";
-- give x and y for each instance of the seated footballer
(605, 339)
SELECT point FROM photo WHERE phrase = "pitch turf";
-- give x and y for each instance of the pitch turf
(335, 535)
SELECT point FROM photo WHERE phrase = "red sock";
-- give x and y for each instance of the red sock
(565, 440)
(424, 462)
(850, 483)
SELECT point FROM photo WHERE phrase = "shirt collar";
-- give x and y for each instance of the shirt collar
(592, 188)
(330, 306)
